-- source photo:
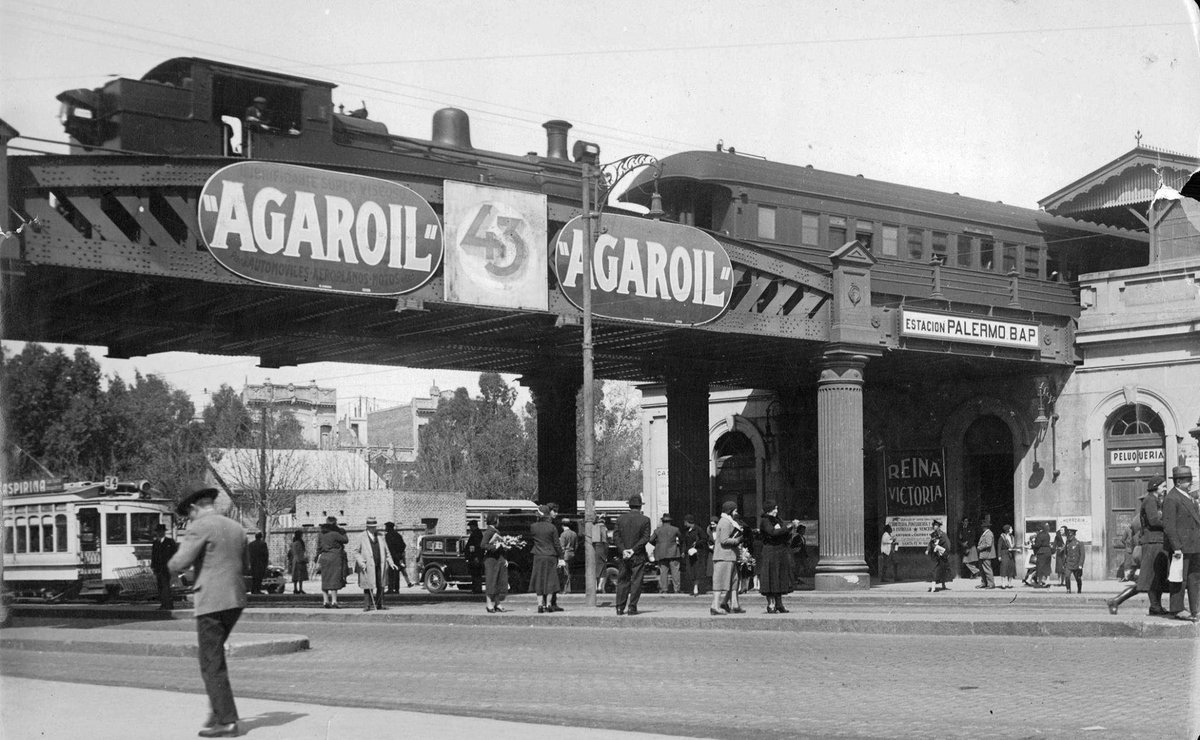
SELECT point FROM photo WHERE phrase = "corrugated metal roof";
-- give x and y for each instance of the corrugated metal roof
(1127, 180)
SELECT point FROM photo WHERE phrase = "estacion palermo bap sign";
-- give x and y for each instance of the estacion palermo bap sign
(300, 227)
(645, 270)
(976, 329)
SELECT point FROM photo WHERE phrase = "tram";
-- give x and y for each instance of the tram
(78, 539)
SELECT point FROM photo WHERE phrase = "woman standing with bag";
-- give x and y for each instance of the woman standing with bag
(495, 566)
(775, 563)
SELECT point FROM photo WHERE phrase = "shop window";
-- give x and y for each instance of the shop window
(891, 241)
(766, 222)
(987, 254)
(916, 244)
(810, 230)
(963, 254)
(116, 529)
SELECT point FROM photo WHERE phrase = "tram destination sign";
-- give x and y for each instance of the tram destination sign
(301, 227)
(976, 329)
(644, 270)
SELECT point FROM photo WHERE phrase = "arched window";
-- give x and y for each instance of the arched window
(1135, 419)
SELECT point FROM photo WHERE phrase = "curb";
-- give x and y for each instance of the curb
(144, 642)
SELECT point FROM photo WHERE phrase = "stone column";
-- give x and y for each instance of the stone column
(840, 466)
(690, 489)
(554, 395)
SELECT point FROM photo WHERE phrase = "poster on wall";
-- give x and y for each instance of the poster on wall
(1033, 526)
(915, 494)
(495, 247)
(1081, 524)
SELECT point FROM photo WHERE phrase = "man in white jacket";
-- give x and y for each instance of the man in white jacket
(371, 557)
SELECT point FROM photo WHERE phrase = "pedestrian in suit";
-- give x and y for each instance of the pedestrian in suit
(601, 538)
(631, 535)
(887, 552)
(474, 556)
(1181, 530)
(938, 551)
(260, 558)
(986, 549)
(1042, 550)
(727, 539)
(698, 557)
(396, 546)
(667, 552)
(1073, 557)
(160, 554)
(967, 547)
(570, 542)
(1152, 563)
(372, 559)
(215, 546)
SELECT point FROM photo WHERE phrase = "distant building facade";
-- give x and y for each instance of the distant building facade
(314, 407)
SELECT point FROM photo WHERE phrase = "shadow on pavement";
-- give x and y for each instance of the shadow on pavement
(269, 719)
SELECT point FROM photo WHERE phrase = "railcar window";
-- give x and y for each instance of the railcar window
(47, 534)
(766, 222)
(116, 529)
(837, 232)
(940, 244)
(1010, 258)
(8, 539)
(810, 230)
(22, 536)
(35, 536)
(1033, 260)
(987, 254)
(964, 251)
(89, 529)
(864, 232)
(60, 533)
(891, 241)
(142, 528)
(916, 244)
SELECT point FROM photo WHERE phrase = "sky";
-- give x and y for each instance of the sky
(1003, 100)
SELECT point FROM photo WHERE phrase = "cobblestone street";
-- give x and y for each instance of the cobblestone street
(698, 683)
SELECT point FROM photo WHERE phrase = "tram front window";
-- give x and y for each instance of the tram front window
(143, 528)
(116, 529)
(89, 529)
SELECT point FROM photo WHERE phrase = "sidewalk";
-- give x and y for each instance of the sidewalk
(32, 708)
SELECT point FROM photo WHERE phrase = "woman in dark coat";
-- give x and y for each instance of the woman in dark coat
(298, 562)
(547, 557)
(775, 559)
(495, 566)
(331, 559)
(1042, 550)
(1060, 546)
(1152, 560)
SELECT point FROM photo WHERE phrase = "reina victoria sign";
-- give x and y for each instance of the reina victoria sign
(645, 270)
(299, 227)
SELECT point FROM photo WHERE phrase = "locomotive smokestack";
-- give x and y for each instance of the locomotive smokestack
(556, 139)
(452, 127)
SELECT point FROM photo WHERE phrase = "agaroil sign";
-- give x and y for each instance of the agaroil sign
(300, 227)
(645, 270)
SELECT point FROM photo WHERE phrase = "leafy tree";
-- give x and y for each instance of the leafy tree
(227, 421)
(618, 449)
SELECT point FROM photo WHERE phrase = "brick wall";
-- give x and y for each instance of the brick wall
(405, 508)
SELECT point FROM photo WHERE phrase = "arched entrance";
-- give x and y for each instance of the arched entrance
(1134, 450)
(736, 474)
(988, 472)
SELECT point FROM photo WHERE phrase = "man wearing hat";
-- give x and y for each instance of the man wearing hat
(161, 551)
(216, 545)
(371, 557)
(938, 551)
(631, 536)
(667, 552)
(1181, 530)
(1152, 565)
(1073, 557)
(256, 113)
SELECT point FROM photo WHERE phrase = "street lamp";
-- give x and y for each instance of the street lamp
(594, 197)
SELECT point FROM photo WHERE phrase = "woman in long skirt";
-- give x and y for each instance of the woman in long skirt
(1008, 556)
(298, 562)
(331, 559)
(775, 559)
(495, 566)
(1060, 547)
(547, 557)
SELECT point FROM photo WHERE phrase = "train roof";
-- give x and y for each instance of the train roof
(174, 69)
(85, 490)
(733, 169)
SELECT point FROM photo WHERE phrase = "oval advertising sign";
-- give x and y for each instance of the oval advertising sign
(646, 270)
(299, 227)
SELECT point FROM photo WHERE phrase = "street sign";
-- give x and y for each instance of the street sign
(495, 247)
(300, 227)
(646, 270)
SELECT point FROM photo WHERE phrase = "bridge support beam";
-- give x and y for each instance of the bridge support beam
(687, 446)
(554, 396)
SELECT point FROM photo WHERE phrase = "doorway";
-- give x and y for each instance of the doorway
(988, 468)
(737, 474)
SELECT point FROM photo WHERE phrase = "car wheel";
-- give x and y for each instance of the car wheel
(435, 580)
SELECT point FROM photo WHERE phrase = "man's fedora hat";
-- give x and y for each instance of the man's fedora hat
(1181, 472)
(635, 500)
(195, 492)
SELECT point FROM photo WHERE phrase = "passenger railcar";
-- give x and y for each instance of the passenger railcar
(74, 539)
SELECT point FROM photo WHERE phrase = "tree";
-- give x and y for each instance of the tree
(227, 421)
(618, 450)
(477, 445)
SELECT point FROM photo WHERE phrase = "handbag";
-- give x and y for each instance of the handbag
(1175, 572)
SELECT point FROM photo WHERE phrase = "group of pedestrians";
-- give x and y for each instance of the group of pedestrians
(991, 558)
(378, 559)
(1169, 544)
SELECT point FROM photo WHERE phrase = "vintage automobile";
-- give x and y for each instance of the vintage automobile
(273, 582)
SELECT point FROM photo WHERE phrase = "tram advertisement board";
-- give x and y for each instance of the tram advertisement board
(301, 227)
(495, 247)
(646, 270)
(915, 494)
